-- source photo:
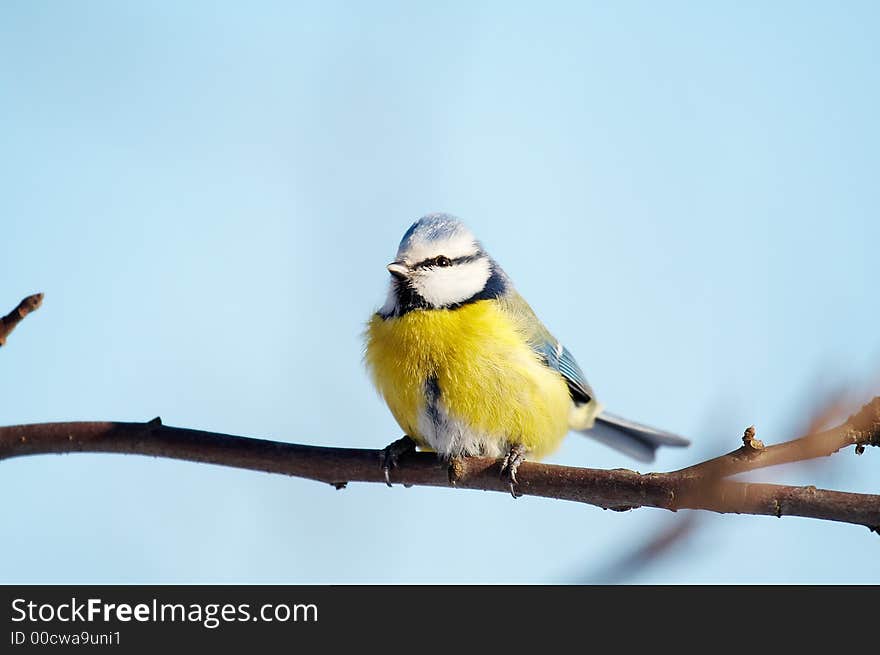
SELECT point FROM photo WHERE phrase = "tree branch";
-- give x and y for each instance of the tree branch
(618, 489)
(702, 486)
(13, 318)
(859, 430)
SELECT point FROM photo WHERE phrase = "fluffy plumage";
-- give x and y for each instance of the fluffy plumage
(465, 365)
(465, 382)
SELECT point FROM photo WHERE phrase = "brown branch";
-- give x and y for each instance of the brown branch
(659, 544)
(859, 430)
(13, 318)
(618, 489)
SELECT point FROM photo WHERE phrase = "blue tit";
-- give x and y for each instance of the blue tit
(466, 367)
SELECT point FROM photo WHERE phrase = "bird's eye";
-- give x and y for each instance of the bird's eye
(442, 261)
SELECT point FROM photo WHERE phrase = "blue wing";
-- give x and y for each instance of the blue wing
(560, 359)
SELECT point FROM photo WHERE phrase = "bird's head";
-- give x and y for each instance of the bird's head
(440, 264)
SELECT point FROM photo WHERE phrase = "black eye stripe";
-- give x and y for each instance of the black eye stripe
(465, 259)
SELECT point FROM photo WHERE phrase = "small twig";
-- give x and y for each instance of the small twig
(660, 543)
(13, 318)
(860, 430)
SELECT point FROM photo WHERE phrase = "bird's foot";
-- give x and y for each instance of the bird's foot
(391, 454)
(510, 464)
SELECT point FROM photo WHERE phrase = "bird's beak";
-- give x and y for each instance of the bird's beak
(399, 270)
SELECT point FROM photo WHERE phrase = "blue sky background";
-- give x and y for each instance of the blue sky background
(208, 193)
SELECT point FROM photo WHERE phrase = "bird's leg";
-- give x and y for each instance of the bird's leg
(510, 464)
(391, 454)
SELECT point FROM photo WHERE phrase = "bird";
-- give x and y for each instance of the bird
(467, 368)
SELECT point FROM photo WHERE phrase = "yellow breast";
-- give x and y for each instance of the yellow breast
(489, 377)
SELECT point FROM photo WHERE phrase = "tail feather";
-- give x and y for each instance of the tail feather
(635, 439)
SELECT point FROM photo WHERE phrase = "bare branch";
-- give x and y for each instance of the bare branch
(859, 430)
(702, 486)
(618, 489)
(13, 318)
(660, 543)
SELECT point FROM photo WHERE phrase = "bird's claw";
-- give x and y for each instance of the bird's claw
(392, 453)
(510, 464)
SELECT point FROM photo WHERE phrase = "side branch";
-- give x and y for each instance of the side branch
(618, 489)
(859, 430)
(13, 318)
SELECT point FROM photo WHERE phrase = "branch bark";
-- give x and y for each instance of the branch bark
(13, 318)
(618, 489)
(859, 430)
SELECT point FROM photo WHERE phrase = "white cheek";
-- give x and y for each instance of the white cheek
(447, 286)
